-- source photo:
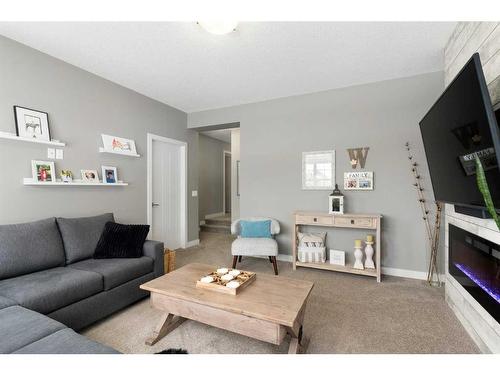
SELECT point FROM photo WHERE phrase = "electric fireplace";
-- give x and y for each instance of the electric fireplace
(475, 263)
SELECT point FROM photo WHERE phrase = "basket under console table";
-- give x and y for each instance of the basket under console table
(354, 221)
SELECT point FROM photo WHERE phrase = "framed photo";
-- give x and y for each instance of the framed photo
(318, 170)
(31, 123)
(358, 181)
(109, 175)
(124, 145)
(90, 175)
(43, 171)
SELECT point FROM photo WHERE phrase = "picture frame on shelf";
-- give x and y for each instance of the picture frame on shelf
(90, 176)
(358, 181)
(117, 144)
(109, 175)
(31, 123)
(66, 176)
(43, 171)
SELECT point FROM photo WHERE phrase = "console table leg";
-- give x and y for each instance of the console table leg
(167, 324)
(295, 342)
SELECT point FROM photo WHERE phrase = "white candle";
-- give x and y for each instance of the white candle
(234, 272)
(233, 284)
(227, 277)
(207, 279)
(222, 271)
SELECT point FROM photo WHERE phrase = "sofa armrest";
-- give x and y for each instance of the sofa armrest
(155, 250)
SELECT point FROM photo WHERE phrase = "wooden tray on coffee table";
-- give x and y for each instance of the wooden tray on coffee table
(245, 278)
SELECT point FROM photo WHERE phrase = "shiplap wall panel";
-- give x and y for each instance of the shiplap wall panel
(471, 37)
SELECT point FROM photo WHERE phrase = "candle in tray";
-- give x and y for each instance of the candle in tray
(222, 271)
(233, 284)
(234, 273)
(357, 243)
(227, 277)
(207, 279)
(369, 238)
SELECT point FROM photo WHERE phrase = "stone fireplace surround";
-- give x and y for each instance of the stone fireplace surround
(480, 325)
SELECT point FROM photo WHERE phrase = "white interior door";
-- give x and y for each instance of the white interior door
(166, 194)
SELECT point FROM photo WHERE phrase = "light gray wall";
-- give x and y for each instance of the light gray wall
(210, 167)
(381, 115)
(81, 106)
(471, 37)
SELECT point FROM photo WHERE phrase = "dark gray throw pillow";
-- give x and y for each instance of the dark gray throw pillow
(80, 235)
(121, 241)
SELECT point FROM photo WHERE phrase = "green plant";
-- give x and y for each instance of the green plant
(482, 184)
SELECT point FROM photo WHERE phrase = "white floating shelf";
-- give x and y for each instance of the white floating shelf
(102, 150)
(31, 182)
(14, 137)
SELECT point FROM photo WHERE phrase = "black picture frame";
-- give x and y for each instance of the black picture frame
(34, 110)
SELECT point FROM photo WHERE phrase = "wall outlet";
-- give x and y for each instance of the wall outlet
(59, 153)
(194, 193)
(51, 153)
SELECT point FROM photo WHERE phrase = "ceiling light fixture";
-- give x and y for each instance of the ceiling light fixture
(219, 27)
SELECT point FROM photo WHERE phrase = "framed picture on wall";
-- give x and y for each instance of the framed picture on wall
(31, 123)
(109, 175)
(358, 181)
(43, 171)
(118, 144)
(90, 175)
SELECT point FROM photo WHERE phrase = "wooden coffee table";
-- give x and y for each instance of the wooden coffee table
(269, 309)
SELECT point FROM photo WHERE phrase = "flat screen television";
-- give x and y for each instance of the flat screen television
(460, 125)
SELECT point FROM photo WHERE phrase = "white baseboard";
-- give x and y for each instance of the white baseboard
(192, 243)
(217, 214)
(399, 272)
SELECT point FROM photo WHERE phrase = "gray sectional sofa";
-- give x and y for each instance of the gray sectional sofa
(50, 285)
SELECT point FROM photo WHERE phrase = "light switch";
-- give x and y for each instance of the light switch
(194, 193)
(51, 153)
(59, 153)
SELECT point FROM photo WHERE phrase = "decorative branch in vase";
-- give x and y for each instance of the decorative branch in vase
(432, 230)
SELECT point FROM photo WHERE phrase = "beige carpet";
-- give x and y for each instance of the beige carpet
(345, 314)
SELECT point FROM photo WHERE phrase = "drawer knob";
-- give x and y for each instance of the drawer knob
(315, 219)
(352, 221)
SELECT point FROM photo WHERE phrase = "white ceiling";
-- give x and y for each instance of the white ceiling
(180, 64)
(223, 135)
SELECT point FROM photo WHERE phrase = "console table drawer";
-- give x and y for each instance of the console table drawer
(310, 219)
(364, 222)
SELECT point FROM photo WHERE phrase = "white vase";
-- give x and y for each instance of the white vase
(358, 255)
(369, 255)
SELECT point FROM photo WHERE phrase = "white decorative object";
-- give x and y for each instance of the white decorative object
(31, 123)
(233, 284)
(336, 202)
(90, 175)
(234, 272)
(337, 257)
(118, 145)
(369, 255)
(43, 171)
(318, 170)
(109, 175)
(311, 254)
(222, 271)
(358, 181)
(227, 277)
(358, 255)
(207, 279)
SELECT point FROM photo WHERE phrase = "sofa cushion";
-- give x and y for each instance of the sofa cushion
(65, 341)
(121, 241)
(49, 290)
(116, 271)
(20, 327)
(29, 247)
(254, 246)
(5, 302)
(80, 235)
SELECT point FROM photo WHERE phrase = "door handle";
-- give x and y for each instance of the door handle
(155, 204)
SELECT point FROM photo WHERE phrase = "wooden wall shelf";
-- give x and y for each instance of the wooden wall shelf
(353, 221)
(14, 137)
